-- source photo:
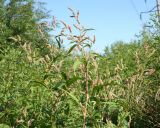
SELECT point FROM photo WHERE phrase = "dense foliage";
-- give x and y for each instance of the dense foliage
(43, 85)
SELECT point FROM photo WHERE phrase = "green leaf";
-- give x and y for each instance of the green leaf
(72, 80)
(89, 29)
(96, 54)
(87, 45)
(45, 76)
(58, 86)
(72, 42)
(59, 42)
(70, 50)
(72, 96)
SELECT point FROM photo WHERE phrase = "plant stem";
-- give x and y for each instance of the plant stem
(86, 93)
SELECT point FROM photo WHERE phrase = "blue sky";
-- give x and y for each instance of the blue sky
(113, 20)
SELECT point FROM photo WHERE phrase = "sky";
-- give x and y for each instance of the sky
(113, 20)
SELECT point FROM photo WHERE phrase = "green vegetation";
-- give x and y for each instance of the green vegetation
(43, 85)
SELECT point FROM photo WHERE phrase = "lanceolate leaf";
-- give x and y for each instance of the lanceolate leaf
(72, 96)
(87, 45)
(59, 42)
(89, 29)
(70, 50)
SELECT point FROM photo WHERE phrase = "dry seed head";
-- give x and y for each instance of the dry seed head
(146, 46)
(29, 48)
(29, 58)
(24, 111)
(19, 121)
(117, 68)
(47, 58)
(48, 46)
(14, 39)
(47, 69)
(133, 78)
(138, 98)
(157, 97)
(40, 31)
(122, 92)
(149, 72)
(100, 82)
(41, 60)
(46, 81)
(30, 122)
(19, 38)
(106, 87)
(94, 83)
(55, 67)
(25, 46)
(79, 47)
(111, 95)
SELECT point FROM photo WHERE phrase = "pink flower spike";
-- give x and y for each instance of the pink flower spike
(69, 28)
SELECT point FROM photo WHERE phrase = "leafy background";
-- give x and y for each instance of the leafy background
(46, 85)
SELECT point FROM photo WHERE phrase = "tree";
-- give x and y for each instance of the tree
(4, 30)
(22, 19)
